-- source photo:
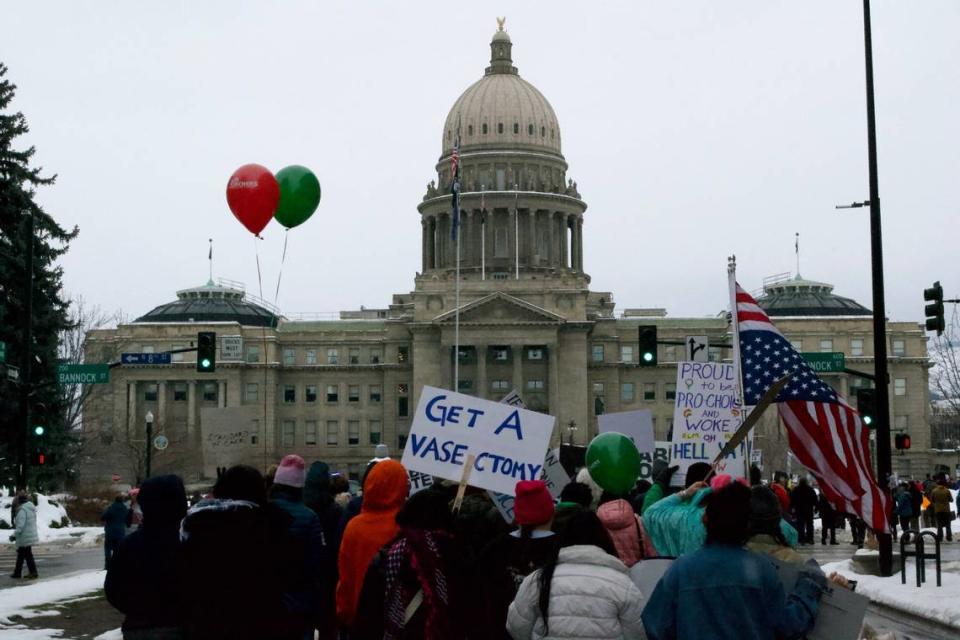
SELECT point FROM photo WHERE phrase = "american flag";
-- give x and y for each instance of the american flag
(826, 434)
(455, 185)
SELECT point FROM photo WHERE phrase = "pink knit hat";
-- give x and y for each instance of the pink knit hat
(290, 472)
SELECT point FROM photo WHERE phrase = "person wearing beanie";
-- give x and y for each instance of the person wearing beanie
(574, 498)
(310, 575)
(662, 474)
(384, 492)
(507, 560)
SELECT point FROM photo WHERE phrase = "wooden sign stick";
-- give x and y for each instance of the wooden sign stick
(462, 489)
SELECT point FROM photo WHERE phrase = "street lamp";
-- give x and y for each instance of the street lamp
(149, 419)
(571, 427)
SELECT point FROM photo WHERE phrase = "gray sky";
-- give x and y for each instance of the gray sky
(694, 130)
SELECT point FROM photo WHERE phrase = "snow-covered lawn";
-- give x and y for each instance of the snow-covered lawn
(22, 601)
(53, 525)
(929, 601)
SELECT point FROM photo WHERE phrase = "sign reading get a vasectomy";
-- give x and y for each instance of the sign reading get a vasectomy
(507, 442)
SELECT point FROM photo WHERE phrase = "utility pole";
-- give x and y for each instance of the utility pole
(26, 378)
(884, 463)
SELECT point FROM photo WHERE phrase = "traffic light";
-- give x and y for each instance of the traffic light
(38, 430)
(39, 458)
(867, 406)
(902, 441)
(934, 310)
(648, 345)
(206, 351)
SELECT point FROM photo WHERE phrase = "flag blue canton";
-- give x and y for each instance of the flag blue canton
(766, 356)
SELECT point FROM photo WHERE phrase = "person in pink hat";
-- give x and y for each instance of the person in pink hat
(509, 559)
(311, 577)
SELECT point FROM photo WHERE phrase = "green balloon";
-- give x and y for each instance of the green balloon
(613, 462)
(299, 195)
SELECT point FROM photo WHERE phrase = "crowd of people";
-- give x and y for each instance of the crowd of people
(292, 555)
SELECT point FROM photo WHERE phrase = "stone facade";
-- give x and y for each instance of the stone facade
(333, 389)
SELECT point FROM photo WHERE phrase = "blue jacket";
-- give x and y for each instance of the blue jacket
(723, 592)
(115, 521)
(310, 564)
(675, 526)
(904, 505)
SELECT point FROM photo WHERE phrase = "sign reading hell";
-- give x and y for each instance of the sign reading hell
(707, 413)
(506, 442)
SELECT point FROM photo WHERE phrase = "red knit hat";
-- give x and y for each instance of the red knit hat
(534, 504)
(782, 496)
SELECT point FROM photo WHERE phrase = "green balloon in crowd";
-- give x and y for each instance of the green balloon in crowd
(613, 462)
(299, 195)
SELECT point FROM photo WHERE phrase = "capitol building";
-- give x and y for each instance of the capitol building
(332, 390)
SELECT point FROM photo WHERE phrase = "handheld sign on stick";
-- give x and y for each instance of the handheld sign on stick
(464, 479)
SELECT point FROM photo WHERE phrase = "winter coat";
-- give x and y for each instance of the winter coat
(723, 592)
(115, 518)
(653, 495)
(504, 564)
(804, 500)
(317, 497)
(383, 494)
(941, 498)
(623, 526)
(828, 515)
(26, 525)
(234, 555)
(591, 596)
(675, 526)
(916, 499)
(310, 577)
(904, 505)
(142, 581)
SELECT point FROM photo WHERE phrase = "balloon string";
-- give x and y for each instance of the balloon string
(256, 252)
(266, 361)
(276, 295)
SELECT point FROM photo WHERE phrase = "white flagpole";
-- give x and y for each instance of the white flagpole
(483, 236)
(456, 313)
(516, 232)
(735, 326)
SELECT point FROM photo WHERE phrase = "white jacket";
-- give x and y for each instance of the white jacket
(591, 596)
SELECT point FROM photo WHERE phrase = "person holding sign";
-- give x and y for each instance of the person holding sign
(509, 559)
(724, 591)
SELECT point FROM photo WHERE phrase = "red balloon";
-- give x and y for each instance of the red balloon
(253, 194)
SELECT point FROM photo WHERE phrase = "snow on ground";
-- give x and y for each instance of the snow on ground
(53, 525)
(21, 601)
(114, 634)
(929, 601)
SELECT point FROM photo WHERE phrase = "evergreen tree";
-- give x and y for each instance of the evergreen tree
(47, 403)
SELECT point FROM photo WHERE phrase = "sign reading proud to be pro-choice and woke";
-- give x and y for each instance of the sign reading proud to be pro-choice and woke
(707, 413)
(507, 443)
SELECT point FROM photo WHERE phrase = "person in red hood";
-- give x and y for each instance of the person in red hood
(623, 527)
(384, 492)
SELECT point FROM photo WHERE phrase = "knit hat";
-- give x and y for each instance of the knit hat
(534, 504)
(782, 496)
(290, 472)
(764, 510)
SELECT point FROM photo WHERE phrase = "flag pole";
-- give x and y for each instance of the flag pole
(483, 235)
(735, 331)
(516, 232)
(210, 259)
(456, 313)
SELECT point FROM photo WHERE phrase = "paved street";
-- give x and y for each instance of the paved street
(51, 561)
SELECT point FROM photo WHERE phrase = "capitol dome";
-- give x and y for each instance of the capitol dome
(501, 110)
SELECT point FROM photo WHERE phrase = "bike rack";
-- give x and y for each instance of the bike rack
(918, 553)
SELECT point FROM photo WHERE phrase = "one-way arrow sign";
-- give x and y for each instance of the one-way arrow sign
(697, 347)
(145, 358)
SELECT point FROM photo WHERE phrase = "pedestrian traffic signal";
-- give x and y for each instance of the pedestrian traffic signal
(867, 406)
(902, 441)
(206, 351)
(934, 310)
(648, 345)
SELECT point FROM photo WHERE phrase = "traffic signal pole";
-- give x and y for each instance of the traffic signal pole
(26, 379)
(884, 462)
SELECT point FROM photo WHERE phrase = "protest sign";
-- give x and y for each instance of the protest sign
(661, 451)
(419, 481)
(707, 414)
(507, 442)
(841, 610)
(227, 436)
(636, 425)
(553, 474)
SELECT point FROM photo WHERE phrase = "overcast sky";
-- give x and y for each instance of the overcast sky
(694, 130)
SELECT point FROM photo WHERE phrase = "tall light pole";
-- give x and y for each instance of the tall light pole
(149, 419)
(884, 463)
